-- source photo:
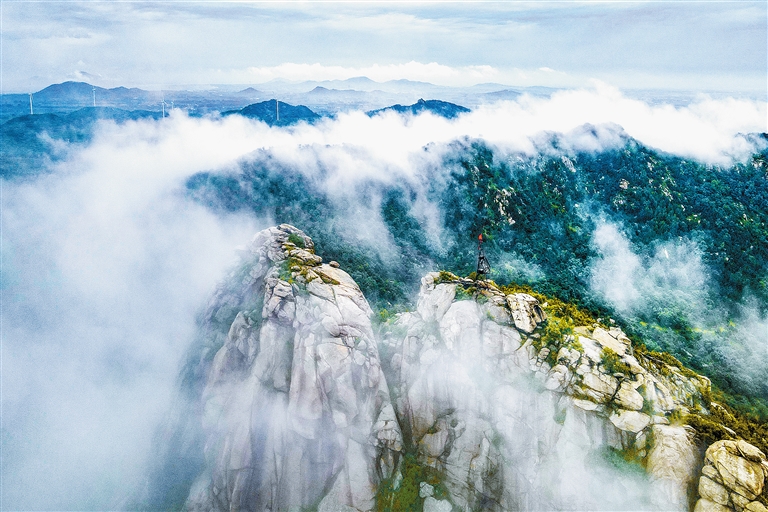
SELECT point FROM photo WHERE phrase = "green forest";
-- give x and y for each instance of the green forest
(538, 216)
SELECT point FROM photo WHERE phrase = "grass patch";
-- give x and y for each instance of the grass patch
(463, 293)
(284, 271)
(554, 306)
(725, 422)
(446, 277)
(405, 498)
(661, 361)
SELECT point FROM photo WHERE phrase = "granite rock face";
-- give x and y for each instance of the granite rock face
(516, 427)
(297, 403)
(733, 477)
(296, 411)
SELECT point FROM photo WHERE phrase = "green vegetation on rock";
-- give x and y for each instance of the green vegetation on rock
(725, 422)
(395, 495)
(612, 362)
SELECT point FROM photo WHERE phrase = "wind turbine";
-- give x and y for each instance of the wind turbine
(163, 103)
(277, 110)
(31, 112)
(94, 95)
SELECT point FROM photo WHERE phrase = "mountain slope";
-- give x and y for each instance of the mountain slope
(481, 398)
(29, 142)
(543, 216)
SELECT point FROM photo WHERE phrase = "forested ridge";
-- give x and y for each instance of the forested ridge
(538, 215)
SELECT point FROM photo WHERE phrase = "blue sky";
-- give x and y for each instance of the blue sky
(666, 45)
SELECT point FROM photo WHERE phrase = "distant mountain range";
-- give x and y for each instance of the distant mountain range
(322, 97)
(23, 150)
(84, 94)
(68, 97)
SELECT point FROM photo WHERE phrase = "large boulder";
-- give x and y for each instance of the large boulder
(613, 339)
(526, 311)
(630, 421)
(734, 476)
(740, 474)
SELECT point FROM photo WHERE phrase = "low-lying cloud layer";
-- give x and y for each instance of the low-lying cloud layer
(105, 265)
(674, 275)
(675, 285)
(707, 130)
(106, 261)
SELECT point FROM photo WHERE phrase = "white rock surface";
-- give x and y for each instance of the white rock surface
(613, 339)
(486, 410)
(630, 421)
(704, 505)
(297, 412)
(296, 408)
(433, 505)
(734, 474)
(671, 465)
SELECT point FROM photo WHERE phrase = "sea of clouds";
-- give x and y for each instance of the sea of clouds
(106, 261)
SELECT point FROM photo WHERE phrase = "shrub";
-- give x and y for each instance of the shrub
(296, 240)
(714, 426)
(612, 363)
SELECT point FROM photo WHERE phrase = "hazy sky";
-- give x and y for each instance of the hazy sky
(667, 44)
(681, 45)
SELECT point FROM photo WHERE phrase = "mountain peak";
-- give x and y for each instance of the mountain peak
(297, 351)
(296, 390)
(436, 107)
(276, 113)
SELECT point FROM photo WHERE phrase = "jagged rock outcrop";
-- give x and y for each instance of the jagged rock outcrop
(733, 478)
(296, 410)
(478, 402)
(515, 422)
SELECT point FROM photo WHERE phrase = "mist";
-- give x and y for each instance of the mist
(549, 460)
(105, 264)
(107, 260)
(675, 285)
(673, 275)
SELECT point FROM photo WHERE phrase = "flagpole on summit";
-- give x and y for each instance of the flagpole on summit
(483, 267)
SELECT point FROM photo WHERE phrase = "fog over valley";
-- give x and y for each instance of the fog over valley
(111, 249)
(391, 257)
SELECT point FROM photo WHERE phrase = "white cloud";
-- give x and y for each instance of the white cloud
(674, 275)
(108, 266)
(106, 261)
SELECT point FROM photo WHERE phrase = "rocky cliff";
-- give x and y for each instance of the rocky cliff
(517, 422)
(295, 409)
(482, 398)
